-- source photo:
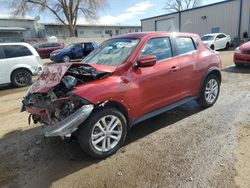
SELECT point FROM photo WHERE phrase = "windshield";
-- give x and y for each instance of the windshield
(112, 52)
(70, 46)
(207, 37)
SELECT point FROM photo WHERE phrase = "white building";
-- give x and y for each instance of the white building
(16, 29)
(89, 31)
(231, 17)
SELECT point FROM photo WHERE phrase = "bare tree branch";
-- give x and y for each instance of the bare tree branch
(66, 11)
(180, 5)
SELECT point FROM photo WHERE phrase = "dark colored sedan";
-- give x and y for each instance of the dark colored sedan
(242, 55)
(73, 51)
(45, 49)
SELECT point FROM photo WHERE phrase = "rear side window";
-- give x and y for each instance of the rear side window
(160, 47)
(184, 45)
(11, 51)
(88, 45)
(55, 44)
(2, 56)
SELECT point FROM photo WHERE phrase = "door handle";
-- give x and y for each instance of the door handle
(174, 68)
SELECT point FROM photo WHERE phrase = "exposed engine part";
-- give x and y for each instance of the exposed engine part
(69, 81)
(55, 107)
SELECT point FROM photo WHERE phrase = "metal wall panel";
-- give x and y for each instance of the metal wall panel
(224, 16)
(151, 24)
(245, 17)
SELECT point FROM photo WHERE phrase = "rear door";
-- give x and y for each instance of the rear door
(220, 41)
(77, 51)
(4, 68)
(186, 52)
(160, 84)
(18, 56)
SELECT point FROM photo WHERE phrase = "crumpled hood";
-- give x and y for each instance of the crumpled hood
(53, 74)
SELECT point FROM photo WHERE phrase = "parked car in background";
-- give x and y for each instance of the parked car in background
(242, 55)
(73, 51)
(217, 41)
(18, 62)
(45, 49)
(126, 80)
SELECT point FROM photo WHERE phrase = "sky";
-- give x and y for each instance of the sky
(115, 12)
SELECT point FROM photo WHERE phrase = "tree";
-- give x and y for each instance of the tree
(180, 5)
(65, 11)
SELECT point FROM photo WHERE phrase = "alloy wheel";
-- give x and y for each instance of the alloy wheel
(106, 133)
(211, 92)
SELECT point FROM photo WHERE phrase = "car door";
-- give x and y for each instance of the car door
(185, 54)
(160, 84)
(5, 69)
(77, 51)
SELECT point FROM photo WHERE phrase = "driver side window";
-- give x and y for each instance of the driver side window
(160, 47)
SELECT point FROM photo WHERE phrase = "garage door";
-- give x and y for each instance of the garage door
(165, 25)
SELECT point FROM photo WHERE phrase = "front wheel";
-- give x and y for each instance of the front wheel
(103, 133)
(210, 91)
(66, 59)
(212, 47)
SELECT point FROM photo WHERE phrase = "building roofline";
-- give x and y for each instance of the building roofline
(89, 25)
(16, 18)
(204, 6)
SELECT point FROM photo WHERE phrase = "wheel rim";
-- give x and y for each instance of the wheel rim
(22, 78)
(212, 89)
(66, 59)
(106, 133)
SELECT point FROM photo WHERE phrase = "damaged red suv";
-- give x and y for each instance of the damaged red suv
(126, 80)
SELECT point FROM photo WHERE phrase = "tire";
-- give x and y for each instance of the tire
(90, 132)
(208, 93)
(21, 78)
(227, 46)
(239, 65)
(66, 59)
(212, 47)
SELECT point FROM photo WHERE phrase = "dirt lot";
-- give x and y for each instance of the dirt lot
(186, 147)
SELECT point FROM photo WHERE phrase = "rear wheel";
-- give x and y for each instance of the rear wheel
(21, 78)
(227, 45)
(103, 133)
(210, 91)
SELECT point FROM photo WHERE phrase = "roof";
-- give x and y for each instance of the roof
(91, 25)
(225, 1)
(11, 17)
(12, 29)
(154, 34)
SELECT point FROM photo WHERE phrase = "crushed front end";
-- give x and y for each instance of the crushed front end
(51, 100)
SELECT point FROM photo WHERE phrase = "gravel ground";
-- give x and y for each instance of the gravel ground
(185, 147)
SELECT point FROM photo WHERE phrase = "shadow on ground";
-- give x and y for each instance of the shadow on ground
(27, 159)
(240, 70)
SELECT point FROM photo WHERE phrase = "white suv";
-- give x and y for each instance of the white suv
(18, 62)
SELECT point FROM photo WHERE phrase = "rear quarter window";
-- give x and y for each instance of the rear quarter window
(184, 45)
(12, 51)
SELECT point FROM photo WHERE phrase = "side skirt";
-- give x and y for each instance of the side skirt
(162, 110)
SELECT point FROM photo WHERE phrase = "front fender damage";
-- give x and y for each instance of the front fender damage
(52, 101)
(70, 124)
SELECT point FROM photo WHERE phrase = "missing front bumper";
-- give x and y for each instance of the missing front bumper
(69, 124)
